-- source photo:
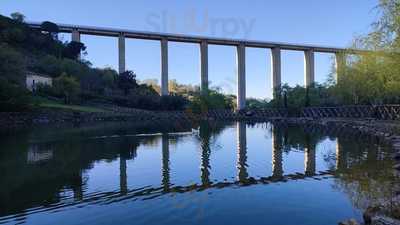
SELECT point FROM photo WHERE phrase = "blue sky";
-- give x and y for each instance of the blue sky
(328, 23)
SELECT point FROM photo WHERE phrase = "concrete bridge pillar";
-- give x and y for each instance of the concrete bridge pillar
(121, 53)
(164, 66)
(241, 76)
(340, 64)
(204, 67)
(276, 70)
(76, 36)
(309, 68)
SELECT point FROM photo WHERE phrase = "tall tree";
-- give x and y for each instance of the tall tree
(50, 28)
(19, 17)
(127, 81)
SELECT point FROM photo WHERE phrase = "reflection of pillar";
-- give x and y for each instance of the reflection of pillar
(341, 162)
(242, 151)
(77, 186)
(205, 155)
(309, 160)
(277, 159)
(165, 162)
(123, 183)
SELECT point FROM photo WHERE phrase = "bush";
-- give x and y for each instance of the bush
(67, 87)
(13, 98)
(214, 99)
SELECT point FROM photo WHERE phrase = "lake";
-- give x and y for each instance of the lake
(204, 173)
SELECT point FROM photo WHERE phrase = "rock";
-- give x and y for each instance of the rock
(382, 220)
(349, 222)
(370, 213)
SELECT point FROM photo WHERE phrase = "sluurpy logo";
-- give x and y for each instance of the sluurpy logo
(199, 22)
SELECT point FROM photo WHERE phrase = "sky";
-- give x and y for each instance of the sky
(318, 22)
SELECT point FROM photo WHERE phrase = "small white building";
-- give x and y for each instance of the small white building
(33, 79)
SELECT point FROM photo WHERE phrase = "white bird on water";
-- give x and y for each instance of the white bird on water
(196, 131)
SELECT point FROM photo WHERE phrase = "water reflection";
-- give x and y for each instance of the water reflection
(56, 171)
(242, 152)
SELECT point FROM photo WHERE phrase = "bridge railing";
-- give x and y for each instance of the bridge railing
(386, 112)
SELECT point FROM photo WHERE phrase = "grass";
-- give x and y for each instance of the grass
(46, 103)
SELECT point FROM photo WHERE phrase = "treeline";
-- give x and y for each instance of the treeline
(75, 81)
(368, 78)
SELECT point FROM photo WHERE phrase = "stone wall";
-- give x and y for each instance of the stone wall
(26, 119)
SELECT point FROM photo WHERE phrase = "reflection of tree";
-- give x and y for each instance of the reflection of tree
(295, 137)
(277, 149)
(205, 137)
(366, 175)
(165, 162)
(363, 173)
(62, 171)
(73, 151)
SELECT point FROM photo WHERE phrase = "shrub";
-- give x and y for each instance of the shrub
(13, 98)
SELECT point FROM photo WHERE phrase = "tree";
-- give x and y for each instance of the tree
(12, 65)
(127, 81)
(153, 83)
(13, 97)
(50, 28)
(73, 50)
(19, 17)
(67, 86)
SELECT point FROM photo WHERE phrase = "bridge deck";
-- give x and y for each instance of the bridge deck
(102, 31)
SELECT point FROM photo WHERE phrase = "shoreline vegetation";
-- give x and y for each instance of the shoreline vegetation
(368, 78)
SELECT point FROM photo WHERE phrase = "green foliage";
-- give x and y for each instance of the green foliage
(366, 78)
(11, 65)
(151, 102)
(19, 17)
(50, 28)
(127, 81)
(214, 99)
(73, 50)
(374, 77)
(13, 98)
(253, 103)
(68, 87)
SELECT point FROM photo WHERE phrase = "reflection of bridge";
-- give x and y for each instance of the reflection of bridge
(74, 180)
(243, 177)
(309, 50)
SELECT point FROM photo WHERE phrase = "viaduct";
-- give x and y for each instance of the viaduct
(203, 42)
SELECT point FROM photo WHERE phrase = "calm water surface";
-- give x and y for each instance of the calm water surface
(233, 173)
